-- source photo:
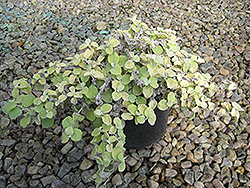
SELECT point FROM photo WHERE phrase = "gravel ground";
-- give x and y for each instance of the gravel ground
(200, 153)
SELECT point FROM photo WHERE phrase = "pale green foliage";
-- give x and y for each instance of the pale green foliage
(124, 78)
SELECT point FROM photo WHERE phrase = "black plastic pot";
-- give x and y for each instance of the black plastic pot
(142, 135)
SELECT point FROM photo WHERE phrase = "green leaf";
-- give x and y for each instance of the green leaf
(109, 148)
(170, 73)
(142, 108)
(120, 157)
(38, 108)
(112, 139)
(98, 75)
(149, 112)
(113, 58)
(69, 130)
(67, 122)
(36, 76)
(15, 92)
(39, 87)
(143, 72)
(122, 60)
(141, 100)
(107, 119)
(109, 50)
(28, 100)
(65, 138)
(43, 113)
(116, 70)
(116, 96)
(112, 130)
(153, 82)
(92, 92)
(78, 117)
(37, 119)
(49, 106)
(162, 105)
(106, 108)
(107, 96)
(49, 114)
(117, 121)
(116, 151)
(98, 112)
(157, 50)
(62, 98)
(132, 98)
(88, 53)
(171, 97)
(89, 113)
(25, 121)
(126, 79)
(121, 167)
(8, 107)
(47, 123)
(171, 83)
(15, 112)
(140, 119)
(129, 64)
(152, 104)
(132, 109)
(42, 81)
(136, 58)
(127, 116)
(136, 90)
(96, 132)
(37, 101)
(159, 60)
(148, 91)
(184, 83)
(114, 42)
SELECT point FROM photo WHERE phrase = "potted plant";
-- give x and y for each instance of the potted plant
(128, 77)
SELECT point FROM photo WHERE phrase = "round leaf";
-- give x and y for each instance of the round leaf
(129, 64)
(65, 138)
(25, 121)
(8, 107)
(116, 96)
(157, 50)
(15, 112)
(132, 109)
(98, 75)
(116, 151)
(107, 119)
(153, 82)
(62, 98)
(15, 92)
(116, 70)
(112, 139)
(121, 167)
(113, 58)
(162, 105)
(148, 91)
(46, 123)
(68, 121)
(171, 97)
(106, 108)
(126, 79)
(127, 116)
(69, 130)
(28, 100)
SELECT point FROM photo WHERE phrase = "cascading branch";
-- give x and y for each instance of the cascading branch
(124, 78)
